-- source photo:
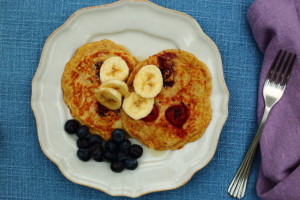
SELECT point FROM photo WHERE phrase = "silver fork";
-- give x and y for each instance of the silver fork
(273, 90)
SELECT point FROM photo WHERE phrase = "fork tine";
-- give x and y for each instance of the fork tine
(289, 70)
(277, 68)
(274, 64)
(284, 69)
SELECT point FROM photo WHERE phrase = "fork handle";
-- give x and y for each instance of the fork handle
(238, 185)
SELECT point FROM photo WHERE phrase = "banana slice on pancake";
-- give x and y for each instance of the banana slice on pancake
(108, 97)
(136, 106)
(118, 85)
(114, 68)
(148, 81)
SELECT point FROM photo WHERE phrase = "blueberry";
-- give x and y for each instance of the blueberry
(82, 131)
(135, 151)
(84, 154)
(94, 147)
(110, 146)
(117, 166)
(94, 139)
(122, 155)
(124, 145)
(82, 143)
(118, 135)
(131, 163)
(96, 152)
(71, 126)
(109, 156)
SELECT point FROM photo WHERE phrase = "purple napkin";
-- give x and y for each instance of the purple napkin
(276, 25)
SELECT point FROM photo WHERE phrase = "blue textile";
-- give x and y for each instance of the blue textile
(26, 173)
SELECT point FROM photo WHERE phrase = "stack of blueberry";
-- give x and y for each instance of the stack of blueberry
(118, 151)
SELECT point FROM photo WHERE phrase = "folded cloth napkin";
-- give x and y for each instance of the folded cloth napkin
(276, 25)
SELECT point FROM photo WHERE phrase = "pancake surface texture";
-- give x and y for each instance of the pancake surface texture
(182, 109)
(81, 78)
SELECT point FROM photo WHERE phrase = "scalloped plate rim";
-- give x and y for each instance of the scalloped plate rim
(61, 163)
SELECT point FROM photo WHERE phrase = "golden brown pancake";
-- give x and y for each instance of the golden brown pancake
(182, 109)
(81, 77)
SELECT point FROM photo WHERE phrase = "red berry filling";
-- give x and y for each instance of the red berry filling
(97, 68)
(166, 66)
(177, 115)
(153, 115)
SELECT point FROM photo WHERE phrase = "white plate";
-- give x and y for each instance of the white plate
(145, 29)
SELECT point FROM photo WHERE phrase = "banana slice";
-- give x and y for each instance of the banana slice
(118, 85)
(136, 106)
(109, 98)
(148, 81)
(114, 68)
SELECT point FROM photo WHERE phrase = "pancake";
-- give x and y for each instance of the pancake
(81, 78)
(181, 111)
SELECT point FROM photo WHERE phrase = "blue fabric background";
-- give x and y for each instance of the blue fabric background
(26, 173)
